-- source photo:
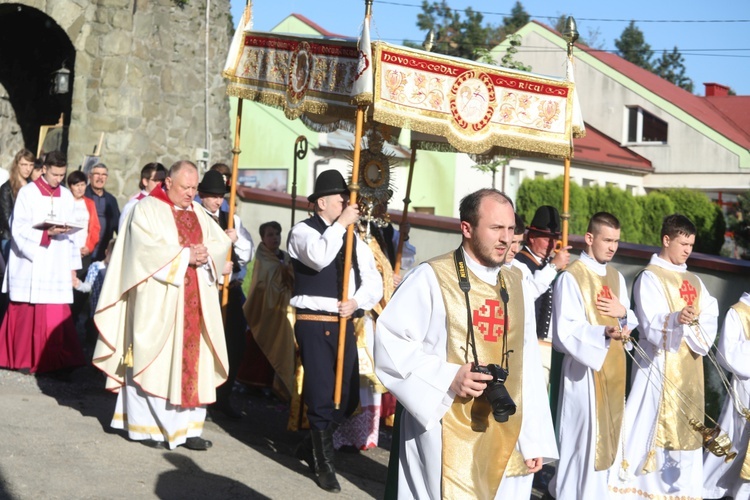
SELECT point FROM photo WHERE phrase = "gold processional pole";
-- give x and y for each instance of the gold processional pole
(571, 35)
(353, 192)
(232, 202)
(405, 215)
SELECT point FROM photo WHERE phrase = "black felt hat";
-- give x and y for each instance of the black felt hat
(328, 183)
(213, 183)
(546, 220)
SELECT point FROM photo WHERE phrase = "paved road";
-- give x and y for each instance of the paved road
(55, 443)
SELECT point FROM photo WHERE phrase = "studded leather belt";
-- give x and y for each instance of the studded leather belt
(318, 317)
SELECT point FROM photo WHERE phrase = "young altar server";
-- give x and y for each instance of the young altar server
(37, 333)
(662, 453)
(591, 318)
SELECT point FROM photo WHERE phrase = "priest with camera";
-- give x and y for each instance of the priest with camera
(457, 347)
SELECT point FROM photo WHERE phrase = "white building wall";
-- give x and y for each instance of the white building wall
(604, 101)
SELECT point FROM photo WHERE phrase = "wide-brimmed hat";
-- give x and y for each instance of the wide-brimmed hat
(546, 220)
(328, 183)
(213, 183)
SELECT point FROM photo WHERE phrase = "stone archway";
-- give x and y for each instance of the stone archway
(32, 47)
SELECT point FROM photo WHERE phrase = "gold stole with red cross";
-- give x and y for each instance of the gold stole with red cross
(743, 311)
(476, 448)
(609, 381)
(190, 233)
(682, 395)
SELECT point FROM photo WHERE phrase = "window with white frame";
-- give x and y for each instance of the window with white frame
(643, 127)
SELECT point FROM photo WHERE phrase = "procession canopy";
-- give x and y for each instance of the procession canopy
(455, 104)
(476, 107)
(310, 77)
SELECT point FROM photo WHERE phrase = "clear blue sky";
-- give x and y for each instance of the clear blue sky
(713, 52)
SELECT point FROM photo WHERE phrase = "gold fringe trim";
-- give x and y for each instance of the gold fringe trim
(279, 101)
(514, 145)
(650, 496)
(363, 99)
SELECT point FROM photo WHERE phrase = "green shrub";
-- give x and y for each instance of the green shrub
(622, 205)
(706, 215)
(654, 207)
(640, 216)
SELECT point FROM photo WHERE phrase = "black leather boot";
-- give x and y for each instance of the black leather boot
(323, 454)
(304, 452)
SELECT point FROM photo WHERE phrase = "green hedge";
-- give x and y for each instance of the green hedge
(641, 216)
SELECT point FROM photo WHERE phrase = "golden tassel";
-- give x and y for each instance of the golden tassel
(128, 361)
(650, 465)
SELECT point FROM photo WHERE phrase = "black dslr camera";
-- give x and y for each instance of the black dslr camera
(497, 395)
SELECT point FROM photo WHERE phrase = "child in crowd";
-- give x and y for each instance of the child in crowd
(93, 285)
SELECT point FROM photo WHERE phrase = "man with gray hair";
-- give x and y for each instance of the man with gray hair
(106, 208)
(161, 341)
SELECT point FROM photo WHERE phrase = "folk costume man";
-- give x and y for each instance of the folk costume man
(721, 478)
(316, 246)
(677, 319)
(269, 355)
(212, 190)
(161, 340)
(544, 262)
(38, 333)
(592, 317)
(452, 444)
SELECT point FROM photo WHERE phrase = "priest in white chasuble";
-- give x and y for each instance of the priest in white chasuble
(38, 333)
(677, 317)
(161, 340)
(591, 319)
(461, 436)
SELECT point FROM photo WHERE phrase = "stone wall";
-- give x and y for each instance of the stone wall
(139, 78)
(11, 139)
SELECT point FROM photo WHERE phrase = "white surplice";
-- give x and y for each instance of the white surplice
(410, 361)
(38, 274)
(678, 474)
(721, 478)
(584, 346)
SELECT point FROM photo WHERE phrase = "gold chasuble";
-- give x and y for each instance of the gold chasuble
(682, 396)
(476, 448)
(609, 381)
(743, 311)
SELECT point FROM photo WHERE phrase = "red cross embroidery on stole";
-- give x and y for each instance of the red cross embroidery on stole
(688, 292)
(490, 320)
(605, 293)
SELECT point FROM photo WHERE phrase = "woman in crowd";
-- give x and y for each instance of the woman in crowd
(84, 213)
(20, 171)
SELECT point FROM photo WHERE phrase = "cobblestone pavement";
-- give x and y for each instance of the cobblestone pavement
(55, 443)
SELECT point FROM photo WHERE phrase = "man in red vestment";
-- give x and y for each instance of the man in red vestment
(161, 337)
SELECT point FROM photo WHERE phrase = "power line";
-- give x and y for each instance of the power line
(508, 14)
(530, 49)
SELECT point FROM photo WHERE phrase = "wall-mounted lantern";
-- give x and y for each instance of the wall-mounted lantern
(61, 81)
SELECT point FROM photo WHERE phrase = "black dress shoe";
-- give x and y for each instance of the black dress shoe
(197, 443)
(160, 445)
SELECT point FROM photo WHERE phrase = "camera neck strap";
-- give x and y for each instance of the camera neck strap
(462, 272)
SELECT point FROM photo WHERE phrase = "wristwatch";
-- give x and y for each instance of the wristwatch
(552, 266)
